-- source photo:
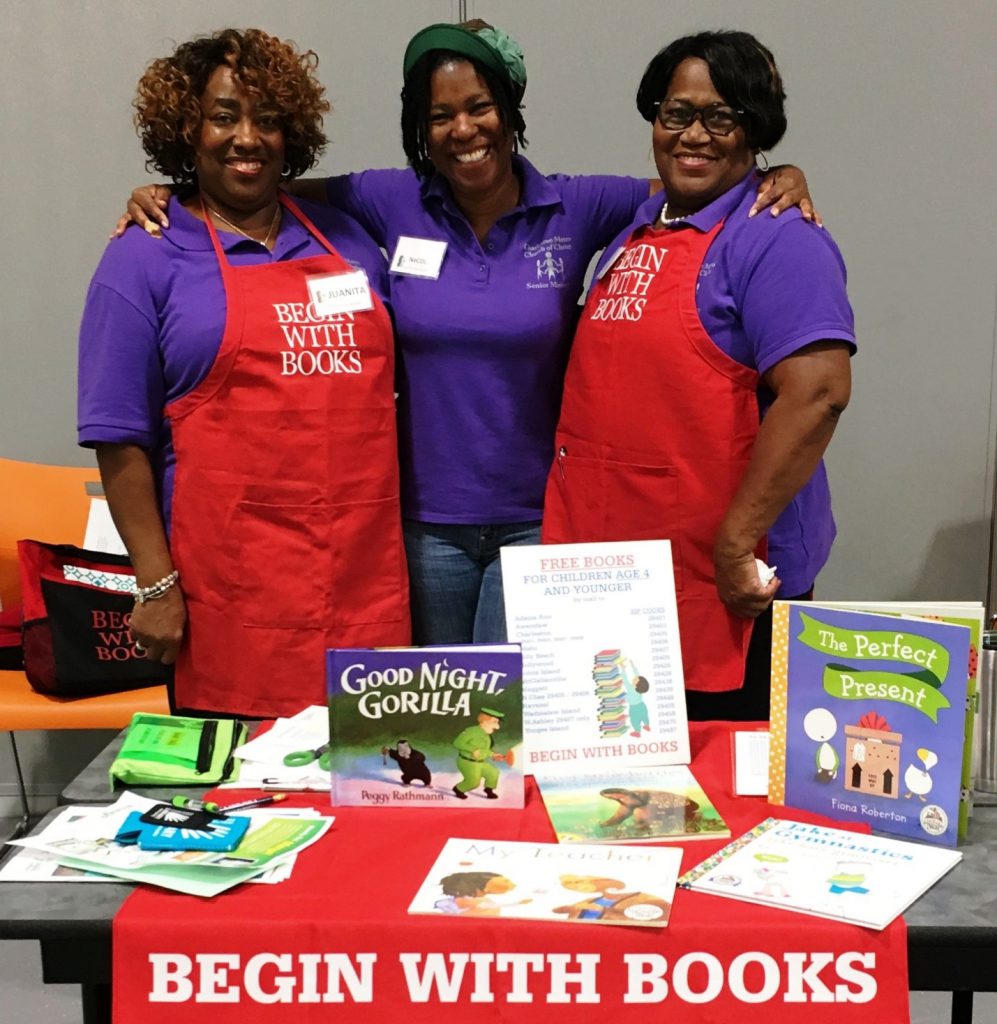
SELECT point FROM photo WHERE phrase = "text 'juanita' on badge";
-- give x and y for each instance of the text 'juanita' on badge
(340, 293)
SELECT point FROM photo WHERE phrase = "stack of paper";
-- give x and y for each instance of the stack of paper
(81, 839)
(263, 758)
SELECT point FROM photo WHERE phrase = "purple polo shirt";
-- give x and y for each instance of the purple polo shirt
(768, 287)
(482, 349)
(155, 314)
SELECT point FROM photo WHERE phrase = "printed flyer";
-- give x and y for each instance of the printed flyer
(602, 662)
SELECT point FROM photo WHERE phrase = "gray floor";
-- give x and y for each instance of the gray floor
(26, 998)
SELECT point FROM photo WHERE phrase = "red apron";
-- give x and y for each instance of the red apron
(286, 518)
(657, 426)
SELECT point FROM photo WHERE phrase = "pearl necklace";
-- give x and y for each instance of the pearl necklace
(266, 241)
(665, 219)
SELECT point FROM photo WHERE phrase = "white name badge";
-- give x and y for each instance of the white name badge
(340, 293)
(418, 257)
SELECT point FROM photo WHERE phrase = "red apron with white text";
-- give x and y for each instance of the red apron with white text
(657, 426)
(286, 517)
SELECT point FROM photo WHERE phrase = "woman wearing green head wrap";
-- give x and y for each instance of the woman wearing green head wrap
(488, 258)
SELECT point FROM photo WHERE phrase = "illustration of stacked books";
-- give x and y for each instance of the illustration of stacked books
(607, 673)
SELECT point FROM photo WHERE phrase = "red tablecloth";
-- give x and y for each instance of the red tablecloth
(336, 940)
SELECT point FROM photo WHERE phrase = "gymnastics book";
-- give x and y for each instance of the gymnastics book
(602, 661)
(871, 716)
(631, 805)
(426, 726)
(828, 872)
(617, 885)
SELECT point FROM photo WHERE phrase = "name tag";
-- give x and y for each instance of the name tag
(608, 265)
(418, 257)
(340, 293)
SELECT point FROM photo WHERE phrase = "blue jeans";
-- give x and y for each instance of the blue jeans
(455, 578)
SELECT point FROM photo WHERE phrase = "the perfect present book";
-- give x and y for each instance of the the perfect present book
(962, 613)
(869, 717)
(848, 876)
(602, 661)
(426, 726)
(619, 885)
(630, 805)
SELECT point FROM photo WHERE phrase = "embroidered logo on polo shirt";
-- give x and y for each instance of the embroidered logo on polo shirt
(548, 266)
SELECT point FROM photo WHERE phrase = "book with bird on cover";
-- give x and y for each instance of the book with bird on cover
(869, 716)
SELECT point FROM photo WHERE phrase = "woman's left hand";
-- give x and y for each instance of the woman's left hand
(740, 587)
(782, 188)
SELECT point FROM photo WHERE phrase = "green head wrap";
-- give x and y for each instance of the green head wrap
(489, 46)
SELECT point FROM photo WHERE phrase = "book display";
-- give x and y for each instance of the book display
(426, 727)
(619, 779)
(870, 714)
(474, 878)
(847, 876)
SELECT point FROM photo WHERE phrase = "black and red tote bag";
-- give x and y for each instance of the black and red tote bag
(77, 610)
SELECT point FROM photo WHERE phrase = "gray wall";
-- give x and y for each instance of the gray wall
(891, 107)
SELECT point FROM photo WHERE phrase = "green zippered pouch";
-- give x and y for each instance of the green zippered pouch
(178, 751)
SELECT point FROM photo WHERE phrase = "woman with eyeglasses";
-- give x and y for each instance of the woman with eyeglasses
(707, 374)
(488, 257)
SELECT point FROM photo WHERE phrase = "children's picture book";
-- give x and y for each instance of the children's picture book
(602, 661)
(621, 885)
(426, 726)
(963, 613)
(869, 717)
(632, 805)
(848, 876)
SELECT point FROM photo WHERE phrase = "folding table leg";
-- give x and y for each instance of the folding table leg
(22, 826)
(96, 1004)
(962, 1008)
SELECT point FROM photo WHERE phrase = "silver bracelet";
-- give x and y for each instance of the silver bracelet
(158, 589)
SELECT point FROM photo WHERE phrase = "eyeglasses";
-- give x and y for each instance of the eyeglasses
(717, 118)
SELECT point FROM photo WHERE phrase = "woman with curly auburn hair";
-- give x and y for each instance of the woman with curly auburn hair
(236, 380)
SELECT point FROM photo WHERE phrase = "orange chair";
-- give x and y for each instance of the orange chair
(51, 503)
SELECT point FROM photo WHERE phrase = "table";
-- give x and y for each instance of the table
(952, 930)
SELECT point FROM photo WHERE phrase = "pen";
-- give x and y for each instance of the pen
(262, 801)
(189, 803)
